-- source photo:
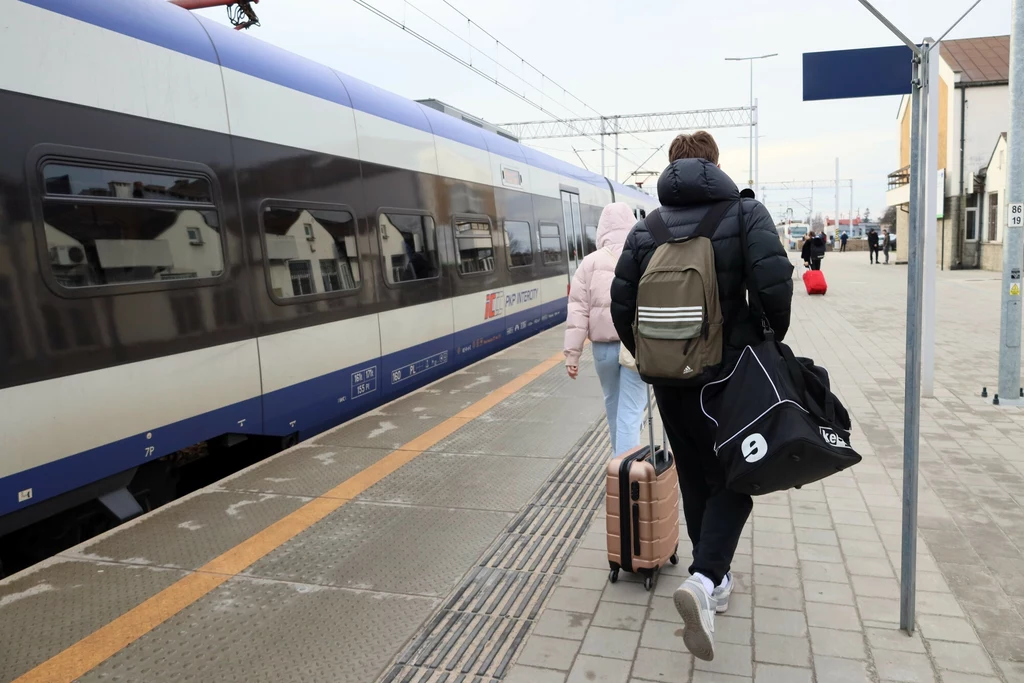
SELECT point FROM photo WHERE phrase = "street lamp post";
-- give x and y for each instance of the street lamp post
(752, 180)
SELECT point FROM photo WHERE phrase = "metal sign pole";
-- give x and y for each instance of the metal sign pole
(912, 398)
(929, 219)
(1013, 256)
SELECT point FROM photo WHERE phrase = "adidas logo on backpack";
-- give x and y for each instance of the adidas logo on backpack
(678, 324)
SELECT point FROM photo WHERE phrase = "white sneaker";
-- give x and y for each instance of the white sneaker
(722, 593)
(697, 608)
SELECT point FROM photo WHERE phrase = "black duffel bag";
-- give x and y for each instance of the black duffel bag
(777, 423)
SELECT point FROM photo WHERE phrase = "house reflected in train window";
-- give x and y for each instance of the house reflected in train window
(106, 226)
(310, 251)
(408, 246)
(474, 246)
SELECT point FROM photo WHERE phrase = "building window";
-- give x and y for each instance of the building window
(518, 243)
(971, 223)
(310, 251)
(474, 246)
(409, 247)
(993, 216)
(589, 239)
(116, 226)
(301, 274)
(550, 243)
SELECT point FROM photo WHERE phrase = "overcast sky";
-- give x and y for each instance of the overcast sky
(622, 57)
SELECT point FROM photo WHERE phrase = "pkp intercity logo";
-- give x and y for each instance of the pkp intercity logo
(494, 305)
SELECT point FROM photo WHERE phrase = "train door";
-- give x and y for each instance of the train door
(573, 230)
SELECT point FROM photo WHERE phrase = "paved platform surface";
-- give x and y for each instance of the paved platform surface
(437, 523)
(817, 574)
(456, 536)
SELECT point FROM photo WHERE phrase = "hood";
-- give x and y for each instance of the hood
(616, 221)
(694, 181)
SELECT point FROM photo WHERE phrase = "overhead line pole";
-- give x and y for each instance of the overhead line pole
(1010, 320)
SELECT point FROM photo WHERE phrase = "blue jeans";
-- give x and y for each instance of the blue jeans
(625, 396)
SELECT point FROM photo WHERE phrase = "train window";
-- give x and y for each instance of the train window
(589, 239)
(474, 246)
(518, 243)
(107, 226)
(550, 243)
(409, 247)
(310, 251)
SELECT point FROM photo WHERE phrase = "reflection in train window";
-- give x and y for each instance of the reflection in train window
(310, 251)
(409, 247)
(474, 247)
(550, 243)
(109, 227)
(518, 243)
(589, 239)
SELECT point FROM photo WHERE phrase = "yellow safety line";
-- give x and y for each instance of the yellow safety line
(94, 649)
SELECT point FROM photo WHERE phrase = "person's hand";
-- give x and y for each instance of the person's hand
(572, 371)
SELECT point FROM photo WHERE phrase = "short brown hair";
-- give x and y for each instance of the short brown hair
(700, 145)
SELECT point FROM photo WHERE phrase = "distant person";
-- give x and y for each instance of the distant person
(813, 251)
(715, 515)
(625, 394)
(886, 244)
(872, 246)
(842, 241)
(747, 193)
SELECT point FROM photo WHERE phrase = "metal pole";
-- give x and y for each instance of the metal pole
(850, 233)
(757, 143)
(616, 149)
(837, 193)
(1009, 325)
(604, 169)
(911, 395)
(753, 126)
(929, 218)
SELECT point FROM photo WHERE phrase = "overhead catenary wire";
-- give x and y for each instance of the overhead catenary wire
(402, 24)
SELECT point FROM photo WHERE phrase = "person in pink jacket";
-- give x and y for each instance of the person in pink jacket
(589, 317)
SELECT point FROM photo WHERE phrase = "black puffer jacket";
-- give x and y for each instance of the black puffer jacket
(686, 190)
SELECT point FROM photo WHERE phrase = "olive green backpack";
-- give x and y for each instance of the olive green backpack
(678, 324)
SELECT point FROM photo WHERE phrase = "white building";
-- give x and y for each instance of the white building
(974, 110)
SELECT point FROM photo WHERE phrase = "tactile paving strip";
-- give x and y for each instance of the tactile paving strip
(476, 634)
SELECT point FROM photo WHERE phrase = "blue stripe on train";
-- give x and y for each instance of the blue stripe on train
(308, 408)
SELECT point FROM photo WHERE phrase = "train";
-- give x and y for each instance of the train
(205, 238)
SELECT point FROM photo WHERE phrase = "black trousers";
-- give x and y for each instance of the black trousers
(873, 257)
(714, 515)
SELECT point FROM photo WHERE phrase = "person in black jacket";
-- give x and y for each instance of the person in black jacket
(714, 515)
(873, 246)
(813, 251)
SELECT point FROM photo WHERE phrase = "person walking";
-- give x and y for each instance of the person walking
(872, 246)
(625, 394)
(886, 244)
(813, 251)
(715, 515)
(842, 241)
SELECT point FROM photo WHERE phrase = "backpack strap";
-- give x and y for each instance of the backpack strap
(706, 228)
(656, 226)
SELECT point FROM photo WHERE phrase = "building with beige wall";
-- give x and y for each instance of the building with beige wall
(974, 111)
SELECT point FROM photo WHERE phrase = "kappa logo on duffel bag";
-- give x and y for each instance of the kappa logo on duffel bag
(833, 439)
(754, 448)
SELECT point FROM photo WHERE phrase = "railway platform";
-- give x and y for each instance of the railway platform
(456, 536)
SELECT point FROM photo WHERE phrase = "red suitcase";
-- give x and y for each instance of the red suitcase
(814, 281)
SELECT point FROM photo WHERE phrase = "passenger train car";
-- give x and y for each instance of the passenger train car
(202, 236)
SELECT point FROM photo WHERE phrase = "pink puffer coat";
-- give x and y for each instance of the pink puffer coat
(590, 292)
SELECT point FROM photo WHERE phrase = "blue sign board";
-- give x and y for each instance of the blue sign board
(868, 72)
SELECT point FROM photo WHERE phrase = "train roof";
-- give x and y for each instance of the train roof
(161, 23)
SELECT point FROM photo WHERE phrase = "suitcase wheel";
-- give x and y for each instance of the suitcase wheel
(648, 582)
(613, 575)
(674, 559)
